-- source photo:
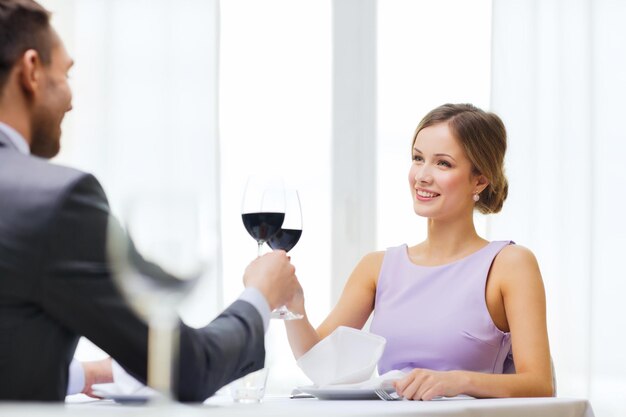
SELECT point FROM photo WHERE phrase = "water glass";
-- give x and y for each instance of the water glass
(250, 388)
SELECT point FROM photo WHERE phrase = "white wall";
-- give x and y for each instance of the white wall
(559, 78)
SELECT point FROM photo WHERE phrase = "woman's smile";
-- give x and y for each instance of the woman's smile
(425, 195)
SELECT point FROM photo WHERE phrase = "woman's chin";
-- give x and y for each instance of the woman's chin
(422, 211)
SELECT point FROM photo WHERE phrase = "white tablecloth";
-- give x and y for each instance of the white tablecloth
(277, 407)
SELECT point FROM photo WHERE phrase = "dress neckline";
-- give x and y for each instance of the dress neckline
(408, 258)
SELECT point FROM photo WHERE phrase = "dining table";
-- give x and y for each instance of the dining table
(223, 406)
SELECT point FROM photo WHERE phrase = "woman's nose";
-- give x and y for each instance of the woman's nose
(423, 175)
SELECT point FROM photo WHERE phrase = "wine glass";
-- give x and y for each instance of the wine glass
(168, 228)
(263, 208)
(286, 238)
(263, 214)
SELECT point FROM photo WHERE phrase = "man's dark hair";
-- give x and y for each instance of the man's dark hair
(24, 25)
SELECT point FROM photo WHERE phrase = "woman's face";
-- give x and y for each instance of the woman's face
(441, 179)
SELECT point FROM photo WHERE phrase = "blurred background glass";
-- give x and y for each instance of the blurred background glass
(158, 256)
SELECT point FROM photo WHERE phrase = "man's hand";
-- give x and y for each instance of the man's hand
(273, 275)
(97, 372)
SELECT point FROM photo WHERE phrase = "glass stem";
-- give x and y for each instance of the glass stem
(163, 342)
(260, 249)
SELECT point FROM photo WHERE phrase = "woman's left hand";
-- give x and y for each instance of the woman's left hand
(424, 384)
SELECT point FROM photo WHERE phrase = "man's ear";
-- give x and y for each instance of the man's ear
(30, 71)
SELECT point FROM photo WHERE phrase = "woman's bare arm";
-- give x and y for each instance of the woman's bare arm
(353, 308)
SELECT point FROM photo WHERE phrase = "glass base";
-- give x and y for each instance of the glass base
(250, 388)
(248, 395)
(282, 313)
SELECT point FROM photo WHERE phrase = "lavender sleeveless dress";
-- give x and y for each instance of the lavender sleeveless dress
(436, 317)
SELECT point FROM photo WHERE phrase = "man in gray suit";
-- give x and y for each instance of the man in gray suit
(55, 282)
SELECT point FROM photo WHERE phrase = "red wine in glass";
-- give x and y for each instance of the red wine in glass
(263, 207)
(262, 226)
(285, 239)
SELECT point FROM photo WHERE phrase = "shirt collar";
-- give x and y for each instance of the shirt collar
(15, 138)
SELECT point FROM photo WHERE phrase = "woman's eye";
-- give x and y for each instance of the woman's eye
(417, 158)
(445, 164)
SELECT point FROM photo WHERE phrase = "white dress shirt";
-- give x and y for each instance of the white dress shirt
(76, 381)
(16, 138)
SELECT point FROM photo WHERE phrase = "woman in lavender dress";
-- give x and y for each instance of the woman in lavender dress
(455, 307)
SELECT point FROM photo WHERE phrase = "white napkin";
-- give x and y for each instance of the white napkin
(346, 356)
(123, 385)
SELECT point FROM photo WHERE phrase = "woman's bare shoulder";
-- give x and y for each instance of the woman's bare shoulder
(515, 266)
(513, 256)
(374, 258)
(368, 268)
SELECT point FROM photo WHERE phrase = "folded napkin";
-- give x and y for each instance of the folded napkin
(346, 356)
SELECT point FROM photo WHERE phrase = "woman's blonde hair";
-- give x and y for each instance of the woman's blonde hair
(483, 137)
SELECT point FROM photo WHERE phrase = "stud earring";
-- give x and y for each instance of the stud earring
(476, 197)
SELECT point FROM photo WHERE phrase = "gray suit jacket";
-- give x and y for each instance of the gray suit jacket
(55, 286)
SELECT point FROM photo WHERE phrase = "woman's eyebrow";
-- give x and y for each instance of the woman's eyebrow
(445, 154)
(437, 154)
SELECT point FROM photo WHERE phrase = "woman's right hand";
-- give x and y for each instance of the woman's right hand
(296, 303)
(301, 334)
